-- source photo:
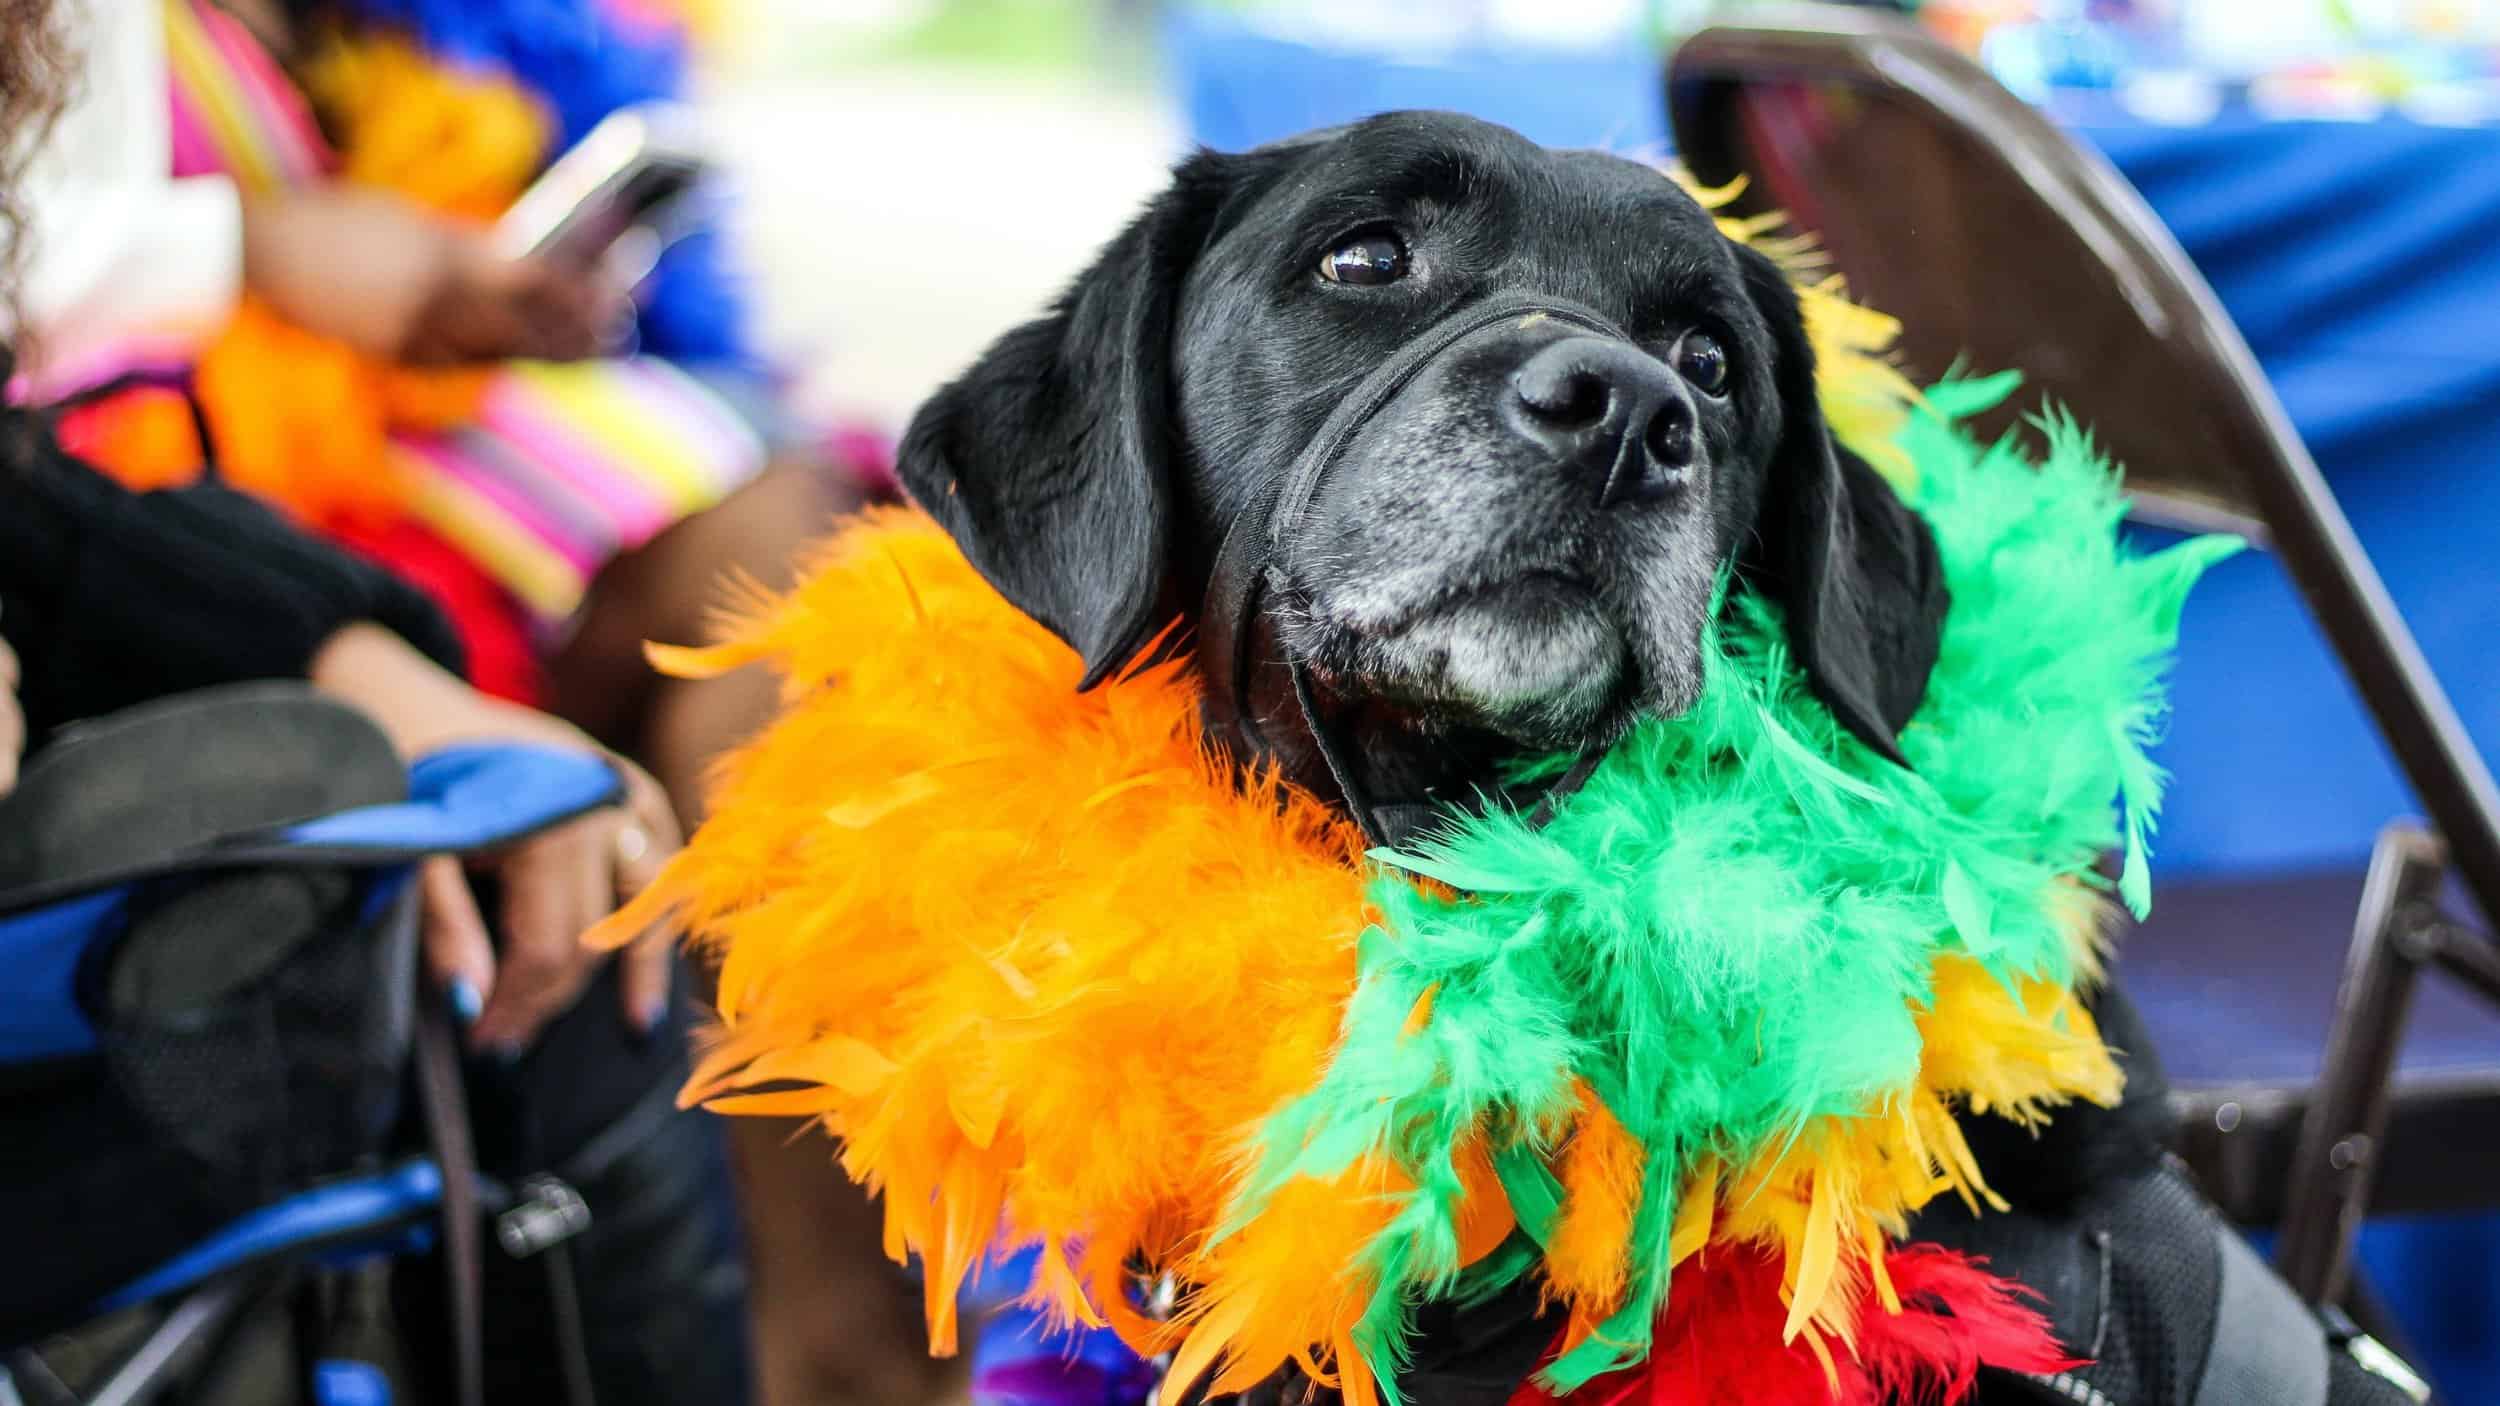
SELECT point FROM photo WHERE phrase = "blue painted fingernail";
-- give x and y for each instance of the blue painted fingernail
(465, 1002)
(506, 1053)
(653, 1012)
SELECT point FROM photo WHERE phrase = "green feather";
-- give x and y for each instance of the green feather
(1535, 1197)
(1725, 932)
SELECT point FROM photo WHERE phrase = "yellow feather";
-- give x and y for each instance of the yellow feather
(1695, 1214)
(1823, 1355)
(1818, 1257)
(1865, 397)
(2017, 1053)
(1872, 1243)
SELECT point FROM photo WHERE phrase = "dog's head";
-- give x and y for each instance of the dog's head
(1514, 537)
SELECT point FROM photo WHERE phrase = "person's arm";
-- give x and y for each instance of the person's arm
(116, 250)
(114, 598)
(554, 886)
(121, 597)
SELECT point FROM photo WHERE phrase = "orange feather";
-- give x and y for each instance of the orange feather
(1588, 1260)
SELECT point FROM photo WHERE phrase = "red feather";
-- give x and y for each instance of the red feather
(1719, 1344)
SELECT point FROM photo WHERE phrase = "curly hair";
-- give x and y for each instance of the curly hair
(36, 71)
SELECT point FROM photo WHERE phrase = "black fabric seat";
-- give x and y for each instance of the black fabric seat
(2237, 980)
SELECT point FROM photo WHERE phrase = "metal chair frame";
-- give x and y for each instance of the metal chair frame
(2273, 492)
(196, 1299)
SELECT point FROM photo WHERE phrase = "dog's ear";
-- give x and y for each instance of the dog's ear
(1051, 460)
(1855, 567)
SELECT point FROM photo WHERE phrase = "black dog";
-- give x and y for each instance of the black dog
(1441, 442)
(1514, 552)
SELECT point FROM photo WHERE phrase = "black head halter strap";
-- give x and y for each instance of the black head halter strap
(1249, 567)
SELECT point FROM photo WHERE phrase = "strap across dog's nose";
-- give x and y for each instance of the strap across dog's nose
(1248, 566)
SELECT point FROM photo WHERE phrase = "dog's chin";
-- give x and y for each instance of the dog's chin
(1538, 662)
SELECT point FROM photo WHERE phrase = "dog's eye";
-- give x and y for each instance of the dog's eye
(1366, 260)
(1701, 360)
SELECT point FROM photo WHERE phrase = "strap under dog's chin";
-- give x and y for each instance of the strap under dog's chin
(1391, 824)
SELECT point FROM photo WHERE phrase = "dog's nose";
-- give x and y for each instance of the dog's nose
(1607, 409)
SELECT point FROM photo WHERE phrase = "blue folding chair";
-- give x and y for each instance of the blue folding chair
(213, 1006)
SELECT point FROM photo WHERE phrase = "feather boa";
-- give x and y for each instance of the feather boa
(1046, 966)
(1952, 1318)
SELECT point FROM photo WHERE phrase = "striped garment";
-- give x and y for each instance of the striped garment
(553, 469)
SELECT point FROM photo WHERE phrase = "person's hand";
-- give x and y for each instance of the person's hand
(554, 885)
(12, 720)
(395, 282)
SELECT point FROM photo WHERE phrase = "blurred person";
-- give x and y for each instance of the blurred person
(301, 269)
(280, 252)
(111, 248)
(109, 598)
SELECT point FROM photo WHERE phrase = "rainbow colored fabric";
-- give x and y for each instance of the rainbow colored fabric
(536, 473)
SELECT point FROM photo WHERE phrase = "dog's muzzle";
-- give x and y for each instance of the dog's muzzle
(1242, 701)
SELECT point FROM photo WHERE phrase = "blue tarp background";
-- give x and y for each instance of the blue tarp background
(2362, 261)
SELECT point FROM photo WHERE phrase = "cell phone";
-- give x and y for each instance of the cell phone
(630, 173)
